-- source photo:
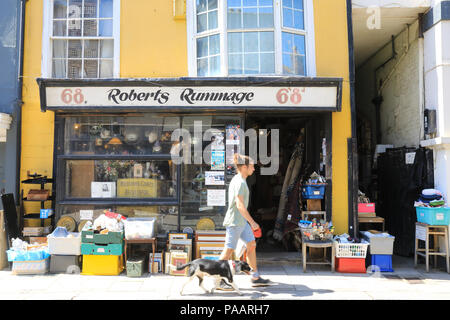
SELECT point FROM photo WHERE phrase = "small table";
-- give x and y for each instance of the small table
(318, 244)
(423, 233)
(314, 214)
(371, 220)
(151, 241)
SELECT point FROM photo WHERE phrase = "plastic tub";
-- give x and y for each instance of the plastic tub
(31, 267)
(102, 265)
(433, 216)
(383, 262)
(379, 245)
(65, 245)
(139, 228)
(351, 265)
(313, 191)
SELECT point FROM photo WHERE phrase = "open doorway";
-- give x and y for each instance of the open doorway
(302, 137)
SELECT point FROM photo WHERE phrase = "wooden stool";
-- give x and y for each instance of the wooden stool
(372, 220)
(151, 241)
(318, 244)
(423, 233)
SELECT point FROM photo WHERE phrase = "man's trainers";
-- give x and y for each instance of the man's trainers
(224, 286)
(260, 282)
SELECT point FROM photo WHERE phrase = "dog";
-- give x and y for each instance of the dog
(220, 269)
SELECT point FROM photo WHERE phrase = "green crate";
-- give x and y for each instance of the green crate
(113, 249)
(135, 267)
(88, 236)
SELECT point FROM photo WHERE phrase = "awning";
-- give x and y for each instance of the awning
(248, 93)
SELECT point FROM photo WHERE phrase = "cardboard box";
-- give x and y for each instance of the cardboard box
(314, 204)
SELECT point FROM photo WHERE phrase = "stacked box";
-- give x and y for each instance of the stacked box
(135, 267)
(65, 253)
(65, 264)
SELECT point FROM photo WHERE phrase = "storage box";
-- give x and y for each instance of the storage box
(135, 267)
(65, 245)
(313, 191)
(351, 265)
(379, 245)
(382, 261)
(101, 249)
(31, 267)
(89, 236)
(366, 208)
(38, 195)
(102, 265)
(433, 216)
(314, 205)
(351, 250)
(65, 263)
(139, 228)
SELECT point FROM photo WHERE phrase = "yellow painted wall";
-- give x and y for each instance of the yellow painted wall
(154, 44)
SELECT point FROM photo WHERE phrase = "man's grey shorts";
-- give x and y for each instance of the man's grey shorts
(234, 233)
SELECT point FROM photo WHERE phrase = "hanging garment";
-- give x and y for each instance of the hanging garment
(294, 207)
(292, 173)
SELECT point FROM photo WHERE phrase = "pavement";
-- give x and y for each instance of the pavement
(284, 269)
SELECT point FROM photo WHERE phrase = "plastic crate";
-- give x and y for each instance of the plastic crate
(433, 216)
(382, 261)
(351, 265)
(89, 236)
(380, 245)
(313, 191)
(102, 249)
(139, 228)
(65, 263)
(351, 250)
(102, 265)
(31, 267)
(65, 245)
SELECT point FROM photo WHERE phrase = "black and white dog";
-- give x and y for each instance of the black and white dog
(221, 269)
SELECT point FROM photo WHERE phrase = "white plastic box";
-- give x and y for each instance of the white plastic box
(65, 245)
(140, 228)
(379, 244)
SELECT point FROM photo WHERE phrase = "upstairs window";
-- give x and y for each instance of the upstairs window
(81, 39)
(251, 37)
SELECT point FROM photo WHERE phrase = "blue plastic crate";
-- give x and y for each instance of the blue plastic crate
(433, 216)
(383, 261)
(313, 191)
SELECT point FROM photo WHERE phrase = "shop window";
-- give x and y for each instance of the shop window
(245, 37)
(81, 39)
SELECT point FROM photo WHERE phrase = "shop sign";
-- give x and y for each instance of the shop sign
(204, 96)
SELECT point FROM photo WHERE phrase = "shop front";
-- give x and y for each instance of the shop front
(163, 148)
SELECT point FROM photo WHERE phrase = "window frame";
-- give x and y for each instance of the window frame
(277, 29)
(47, 37)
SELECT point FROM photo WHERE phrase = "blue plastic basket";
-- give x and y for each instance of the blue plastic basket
(433, 216)
(313, 191)
(383, 261)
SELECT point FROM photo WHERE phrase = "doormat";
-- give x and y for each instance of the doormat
(414, 280)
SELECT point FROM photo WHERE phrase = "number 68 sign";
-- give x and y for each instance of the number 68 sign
(288, 94)
(69, 96)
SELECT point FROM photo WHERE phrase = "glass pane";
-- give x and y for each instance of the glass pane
(212, 20)
(266, 3)
(267, 63)
(287, 63)
(60, 9)
(299, 44)
(74, 49)
(234, 20)
(74, 69)
(300, 65)
(59, 68)
(298, 20)
(106, 8)
(120, 179)
(298, 4)
(266, 41)
(287, 42)
(75, 8)
(288, 18)
(287, 3)
(202, 21)
(214, 44)
(251, 42)
(90, 9)
(59, 28)
(106, 69)
(202, 47)
(202, 67)
(105, 28)
(212, 4)
(91, 48)
(90, 69)
(235, 64)
(59, 48)
(234, 42)
(146, 134)
(234, 3)
(251, 63)
(201, 6)
(250, 3)
(106, 48)
(74, 27)
(266, 17)
(214, 66)
(250, 17)
(90, 28)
